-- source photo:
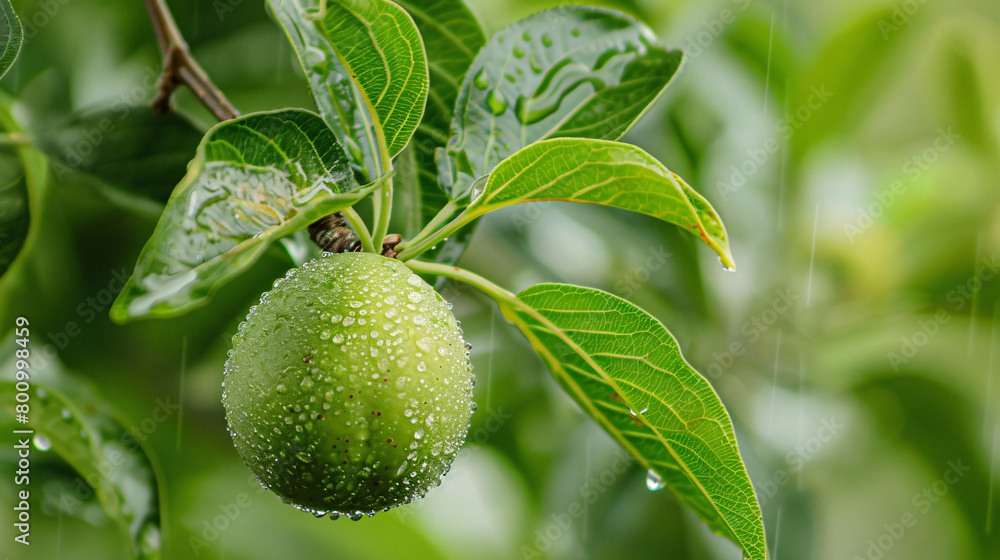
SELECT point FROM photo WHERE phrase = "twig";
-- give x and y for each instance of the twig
(179, 68)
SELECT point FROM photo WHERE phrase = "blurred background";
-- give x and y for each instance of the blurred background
(853, 150)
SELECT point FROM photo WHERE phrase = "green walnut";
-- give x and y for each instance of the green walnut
(348, 390)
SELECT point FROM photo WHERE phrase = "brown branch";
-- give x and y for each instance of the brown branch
(180, 68)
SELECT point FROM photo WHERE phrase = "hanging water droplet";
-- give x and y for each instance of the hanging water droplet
(42, 443)
(726, 267)
(518, 52)
(546, 40)
(653, 481)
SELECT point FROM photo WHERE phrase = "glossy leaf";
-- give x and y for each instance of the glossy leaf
(568, 72)
(626, 372)
(10, 36)
(452, 36)
(368, 72)
(606, 173)
(254, 180)
(67, 418)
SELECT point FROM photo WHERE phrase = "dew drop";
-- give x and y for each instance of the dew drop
(42, 443)
(654, 482)
(497, 102)
(313, 56)
(480, 80)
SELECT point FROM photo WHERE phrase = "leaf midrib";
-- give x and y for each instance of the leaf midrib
(611, 382)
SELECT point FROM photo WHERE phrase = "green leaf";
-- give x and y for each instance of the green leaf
(843, 78)
(452, 36)
(368, 72)
(568, 72)
(600, 172)
(626, 372)
(10, 36)
(14, 216)
(87, 434)
(23, 181)
(254, 180)
(129, 149)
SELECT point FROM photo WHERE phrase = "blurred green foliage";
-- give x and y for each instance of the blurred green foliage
(852, 149)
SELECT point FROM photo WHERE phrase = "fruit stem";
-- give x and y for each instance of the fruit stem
(415, 249)
(432, 227)
(359, 227)
(384, 212)
(499, 294)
